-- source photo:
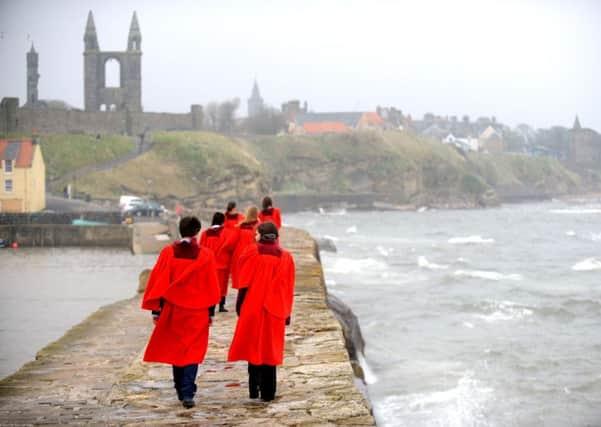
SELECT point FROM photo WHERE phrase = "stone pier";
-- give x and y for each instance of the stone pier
(94, 373)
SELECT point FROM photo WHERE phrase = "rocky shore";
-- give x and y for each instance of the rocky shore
(94, 373)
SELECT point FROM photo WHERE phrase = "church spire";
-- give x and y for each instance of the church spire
(255, 92)
(576, 125)
(90, 39)
(134, 38)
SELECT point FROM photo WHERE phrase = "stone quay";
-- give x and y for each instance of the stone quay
(94, 374)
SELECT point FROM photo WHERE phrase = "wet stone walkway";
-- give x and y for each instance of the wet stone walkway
(94, 374)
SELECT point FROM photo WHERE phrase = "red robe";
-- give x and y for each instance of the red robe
(222, 242)
(271, 214)
(268, 273)
(233, 219)
(184, 279)
(246, 233)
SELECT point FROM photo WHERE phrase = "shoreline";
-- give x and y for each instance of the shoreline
(94, 373)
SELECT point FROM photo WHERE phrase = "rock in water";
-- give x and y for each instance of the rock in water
(326, 244)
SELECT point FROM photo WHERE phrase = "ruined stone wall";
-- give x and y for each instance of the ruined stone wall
(52, 121)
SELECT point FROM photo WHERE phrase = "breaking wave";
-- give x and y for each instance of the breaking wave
(463, 405)
(424, 263)
(588, 264)
(489, 275)
(469, 240)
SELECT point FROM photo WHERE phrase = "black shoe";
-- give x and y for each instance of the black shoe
(188, 403)
(222, 309)
(267, 398)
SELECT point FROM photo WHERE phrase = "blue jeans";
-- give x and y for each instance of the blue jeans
(183, 379)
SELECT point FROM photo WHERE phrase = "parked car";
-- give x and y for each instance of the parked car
(143, 208)
(126, 202)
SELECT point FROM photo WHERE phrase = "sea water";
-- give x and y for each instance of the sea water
(485, 317)
(46, 291)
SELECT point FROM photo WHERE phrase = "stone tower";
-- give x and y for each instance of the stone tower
(126, 96)
(255, 102)
(32, 78)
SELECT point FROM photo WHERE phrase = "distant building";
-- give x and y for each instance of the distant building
(465, 144)
(255, 102)
(584, 150)
(128, 94)
(490, 141)
(33, 76)
(22, 177)
(334, 122)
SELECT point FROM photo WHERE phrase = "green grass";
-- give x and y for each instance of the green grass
(67, 153)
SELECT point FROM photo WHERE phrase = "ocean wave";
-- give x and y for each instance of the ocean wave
(334, 212)
(489, 275)
(424, 263)
(588, 264)
(352, 229)
(575, 211)
(570, 233)
(469, 240)
(332, 238)
(368, 374)
(349, 265)
(595, 237)
(462, 405)
(504, 310)
(382, 250)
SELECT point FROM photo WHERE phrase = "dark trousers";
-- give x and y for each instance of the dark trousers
(183, 379)
(261, 378)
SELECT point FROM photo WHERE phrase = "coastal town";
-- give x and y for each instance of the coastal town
(100, 192)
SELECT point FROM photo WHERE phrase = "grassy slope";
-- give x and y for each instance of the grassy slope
(189, 164)
(180, 164)
(67, 153)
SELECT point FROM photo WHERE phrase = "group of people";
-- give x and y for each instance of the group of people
(189, 282)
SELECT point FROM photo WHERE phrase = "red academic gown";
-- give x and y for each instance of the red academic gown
(271, 214)
(268, 273)
(222, 242)
(233, 219)
(185, 279)
(246, 233)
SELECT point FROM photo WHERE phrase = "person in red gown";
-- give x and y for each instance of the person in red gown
(269, 213)
(222, 242)
(245, 235)
(182, 291)
(232, 218)
(264, 306)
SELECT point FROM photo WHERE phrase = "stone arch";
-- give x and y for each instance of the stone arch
(112, 72)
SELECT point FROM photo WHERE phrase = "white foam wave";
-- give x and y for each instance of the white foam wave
(570, 233)
(352, 229)
(330, 282)
(463, 405)
(383, 251)
(332, 238)
(490, 275)
(505, 310)
(595, 237)
(368, 374)
(423, 209)
(588, 264)
(349, 265)
(334, 212)
(470, 240)
(575, 211)
(423, 262)
(468, 325)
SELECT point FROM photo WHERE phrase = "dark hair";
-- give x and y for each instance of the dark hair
(268, 230)
(189, 226)
(230, 206)
(267, 202)
(218, 218)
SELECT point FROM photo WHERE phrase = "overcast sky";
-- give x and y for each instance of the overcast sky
(530, 61)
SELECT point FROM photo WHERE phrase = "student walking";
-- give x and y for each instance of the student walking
(264, 306)
(270, 213)
(182, 291)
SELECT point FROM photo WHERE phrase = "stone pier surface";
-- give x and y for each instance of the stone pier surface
(95, 374)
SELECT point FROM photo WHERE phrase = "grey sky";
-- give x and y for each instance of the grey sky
(530, 61)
